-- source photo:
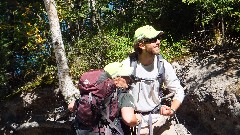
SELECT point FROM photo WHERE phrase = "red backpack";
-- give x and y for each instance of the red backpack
(98, 103)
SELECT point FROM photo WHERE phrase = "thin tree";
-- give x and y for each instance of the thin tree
(66, 86)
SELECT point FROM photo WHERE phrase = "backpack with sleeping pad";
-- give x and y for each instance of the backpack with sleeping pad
(97, 108)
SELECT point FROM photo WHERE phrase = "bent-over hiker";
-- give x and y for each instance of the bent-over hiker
(151, 71)
(111, 108)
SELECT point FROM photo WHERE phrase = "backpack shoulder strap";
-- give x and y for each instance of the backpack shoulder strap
(133, 62)
(111, 123)
(160, 65)
(161, 71)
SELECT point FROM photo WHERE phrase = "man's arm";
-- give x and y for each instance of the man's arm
(127, 110)
(173, 84)
(129, 118)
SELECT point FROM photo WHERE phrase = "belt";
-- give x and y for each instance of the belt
(154, 111)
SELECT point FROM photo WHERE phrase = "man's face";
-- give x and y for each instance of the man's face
(152, 46)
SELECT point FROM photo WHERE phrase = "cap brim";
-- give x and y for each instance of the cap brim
(160, 33)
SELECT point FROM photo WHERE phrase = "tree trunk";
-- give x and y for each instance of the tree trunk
(66, 86)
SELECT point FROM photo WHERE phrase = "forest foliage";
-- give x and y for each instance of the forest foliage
(98, 32)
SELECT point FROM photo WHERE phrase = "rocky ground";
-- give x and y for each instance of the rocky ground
(211, 105)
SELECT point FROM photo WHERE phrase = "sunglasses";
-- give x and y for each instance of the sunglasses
(153, 40)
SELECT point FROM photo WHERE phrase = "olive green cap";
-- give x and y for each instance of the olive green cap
(146, 32)
(117, 69)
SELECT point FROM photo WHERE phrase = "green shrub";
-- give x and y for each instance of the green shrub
(97, 51)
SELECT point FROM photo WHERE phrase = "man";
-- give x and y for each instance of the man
(146, 94)
(121, 77)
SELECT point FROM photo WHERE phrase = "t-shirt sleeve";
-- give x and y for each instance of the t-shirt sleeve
(172, 82)
(126, 100)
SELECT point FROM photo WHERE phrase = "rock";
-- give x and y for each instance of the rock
(212, 99)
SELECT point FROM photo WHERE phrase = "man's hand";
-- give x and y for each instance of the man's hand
(139, 118)
(166, 111)
(71, 106)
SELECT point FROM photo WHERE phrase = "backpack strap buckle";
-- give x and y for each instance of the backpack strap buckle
(90, 97)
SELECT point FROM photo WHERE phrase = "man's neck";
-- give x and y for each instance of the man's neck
(146, 59)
